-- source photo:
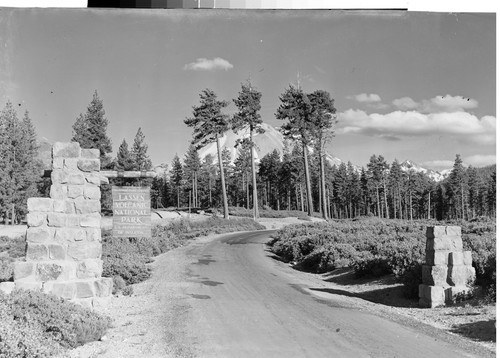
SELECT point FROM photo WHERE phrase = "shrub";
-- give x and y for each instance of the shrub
(14, 247)
(118, 284)
(66, 323)
(128, 291)
(411, 278)
(23, 339)
(6, 269)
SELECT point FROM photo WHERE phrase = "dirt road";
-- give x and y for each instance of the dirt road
(243, 304)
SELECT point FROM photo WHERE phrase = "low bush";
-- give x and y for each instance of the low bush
(34, 324)
(13, 247)
(6, 269)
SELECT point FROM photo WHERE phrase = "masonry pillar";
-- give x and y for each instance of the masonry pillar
(63, 240)
(448, 269)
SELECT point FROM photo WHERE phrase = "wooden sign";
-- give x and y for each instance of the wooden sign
(131, 211)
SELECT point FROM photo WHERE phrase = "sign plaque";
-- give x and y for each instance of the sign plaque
(131, 211)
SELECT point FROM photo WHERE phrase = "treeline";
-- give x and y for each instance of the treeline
(379, 189)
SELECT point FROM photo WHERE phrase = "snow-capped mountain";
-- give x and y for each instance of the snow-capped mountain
(264, 143)
(436, 176)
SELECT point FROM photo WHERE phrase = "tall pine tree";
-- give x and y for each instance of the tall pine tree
(209, 124)
(90, 130)
(248, 103)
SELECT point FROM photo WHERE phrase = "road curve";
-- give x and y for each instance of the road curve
(244, 304)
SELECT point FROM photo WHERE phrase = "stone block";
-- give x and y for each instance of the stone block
(59, 191)
(450, 243)
(23, 269)
(35, 219)
(36, 252)
(28, 285)
(7, 287)
(103, 287)
(40, 204)
(73, 220)
(456, 258)
(67, 235)
(49, 271)
(435, 231)
(84, 250)
(57, 219)
(92, 192)
(71, 163)
(435, 275)
(39, 234)
(458, 275)
(453, 231)
(66, 150)
(66, 290)
(91, 220)
(64, 206)
(58, 163)
(59, 176)
(76, 179)
(88, 206)
(470, 275)
(436, 257)
(57, 252)
(91, 153)
(93, 234)
(93, 178)
(431, 296)
(89, 165)
(89, 268)
(467, 258)
(85, 288)
(75, 191)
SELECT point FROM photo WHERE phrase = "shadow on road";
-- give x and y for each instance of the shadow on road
(391, 296)
(481, 331)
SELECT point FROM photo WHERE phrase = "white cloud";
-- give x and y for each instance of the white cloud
(480, 160)
(366, 98)
(405, 103)
(437, 104)
(461, 125)
(205, 64)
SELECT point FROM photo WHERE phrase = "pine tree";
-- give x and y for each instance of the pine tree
(323, 119)
(209, 125)
(457, 188)
(176, 175)
(20, 170)
(248, 103)
(124, 160)
(139, 153)
(90, 130)
(295, 108)
(192, 166)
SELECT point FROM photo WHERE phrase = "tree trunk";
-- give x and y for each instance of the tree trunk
(385, 199)
(323, 186)
(254, 180)
(308, 181)
(411, 208)
(178, 202)
(301, 197)
(429, 206)
(223, 182)
(209, 191)
(378, 202)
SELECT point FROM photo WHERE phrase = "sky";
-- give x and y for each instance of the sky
(407, 85)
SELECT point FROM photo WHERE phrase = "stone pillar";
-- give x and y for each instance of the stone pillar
(63, 240)
(448, 269)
